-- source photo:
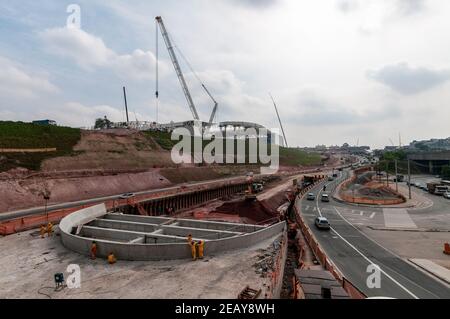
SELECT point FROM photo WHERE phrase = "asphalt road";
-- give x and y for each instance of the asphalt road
(352, 251)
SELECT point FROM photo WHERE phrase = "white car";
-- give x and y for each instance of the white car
(322, 223)
(447, 195)
(325, 198)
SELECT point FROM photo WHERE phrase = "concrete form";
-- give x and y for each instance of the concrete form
(132, 237)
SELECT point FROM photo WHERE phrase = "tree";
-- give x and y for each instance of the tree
(445, 171)
(102, 123)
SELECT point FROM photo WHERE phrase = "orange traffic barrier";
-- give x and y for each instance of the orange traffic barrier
(447, 248)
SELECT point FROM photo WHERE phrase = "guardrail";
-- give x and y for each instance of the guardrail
(320, 254)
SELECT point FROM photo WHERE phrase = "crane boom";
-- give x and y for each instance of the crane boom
(213, 113)
(176, 65)
(279, 120)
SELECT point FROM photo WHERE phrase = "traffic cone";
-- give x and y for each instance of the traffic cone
(447, 248)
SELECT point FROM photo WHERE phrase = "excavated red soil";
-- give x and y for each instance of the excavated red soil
(253, 211)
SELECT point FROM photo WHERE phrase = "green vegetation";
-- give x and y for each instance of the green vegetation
(162, 138)
(445, 172)
(19, 135)
(288, 156)
(295, 157)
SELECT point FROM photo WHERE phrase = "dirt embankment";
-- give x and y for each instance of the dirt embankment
(104, 163)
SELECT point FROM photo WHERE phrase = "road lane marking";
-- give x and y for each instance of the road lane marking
(367, 259)
(356, 249)
(361, 213)
(372, 215)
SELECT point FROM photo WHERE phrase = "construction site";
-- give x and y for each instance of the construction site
(111, 212)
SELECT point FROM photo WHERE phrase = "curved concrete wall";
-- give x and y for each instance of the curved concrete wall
(139, 251)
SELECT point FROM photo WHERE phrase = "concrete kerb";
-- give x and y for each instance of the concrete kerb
(340, 200)
(71, 225)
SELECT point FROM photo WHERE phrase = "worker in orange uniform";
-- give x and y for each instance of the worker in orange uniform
(201, 247)
(193, 245)
(49, 229)
(94, 250)
(43, 231)
(111, 258)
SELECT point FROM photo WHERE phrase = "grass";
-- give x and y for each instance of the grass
(26, 135)
(162, 138)
(296, 157)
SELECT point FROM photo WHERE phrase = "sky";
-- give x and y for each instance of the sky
(355, 71)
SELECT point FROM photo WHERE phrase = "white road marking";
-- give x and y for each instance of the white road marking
(307, 207)
(348, 243)
(397, 218)
(372, 215)
(367, 259)
(361, 213)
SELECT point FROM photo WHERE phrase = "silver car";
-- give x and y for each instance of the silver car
(325, 198)
(447, 195)
(322, 223)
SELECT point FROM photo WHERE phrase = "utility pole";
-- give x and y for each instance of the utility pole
(409, 179)
(396, 177)
(387, 173)
(126, 105)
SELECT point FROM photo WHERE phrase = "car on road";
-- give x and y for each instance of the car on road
(127, 195)
(310, 196)
(322, 223)
(325, 198)
(330, 178)
(417, 184)
(447, 195)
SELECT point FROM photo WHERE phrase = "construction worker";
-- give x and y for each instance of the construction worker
(111, 258)
(193, 245)
(49, 229)
(201, 247)
(94, 250)
(43, 231)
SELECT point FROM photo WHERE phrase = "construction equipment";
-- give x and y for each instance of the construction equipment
(126, 104)
(279, 120)
(170, 47)
(177, 67)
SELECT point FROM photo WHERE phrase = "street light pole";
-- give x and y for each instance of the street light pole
(396, 176)
(409, 179)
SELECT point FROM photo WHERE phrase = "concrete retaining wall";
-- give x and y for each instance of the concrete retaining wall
(139, 251)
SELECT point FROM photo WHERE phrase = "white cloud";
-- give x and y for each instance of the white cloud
(409, 80)
(90, 53)
(18, 83)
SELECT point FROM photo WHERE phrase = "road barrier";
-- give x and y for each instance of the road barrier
(320, 254)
